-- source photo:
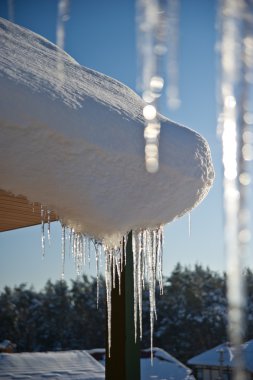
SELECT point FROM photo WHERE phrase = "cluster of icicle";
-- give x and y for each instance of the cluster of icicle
(147, 249)
(157, 23)
(235, 128)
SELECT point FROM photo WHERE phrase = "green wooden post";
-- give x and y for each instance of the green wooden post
(124, 361)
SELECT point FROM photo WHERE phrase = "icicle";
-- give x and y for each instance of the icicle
(160, 233)
(139, 286)
(42, 231)
(108, 284)
(97, 269)
(135, 280)
(11, 10)
(173, 33)
(236, 43)
(147, 267)
(63, 249)
(189, 224)
(48, 227)
(62, 18)
(157, 23)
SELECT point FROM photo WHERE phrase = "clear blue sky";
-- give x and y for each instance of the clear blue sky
(101, 35)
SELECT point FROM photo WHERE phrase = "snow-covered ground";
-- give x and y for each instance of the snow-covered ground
(74, 143)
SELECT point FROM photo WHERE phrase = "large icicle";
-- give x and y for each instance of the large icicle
(11, 10)
(62, 18)
(157, 35)
(147, 246)
(147, 258)
(236, 52)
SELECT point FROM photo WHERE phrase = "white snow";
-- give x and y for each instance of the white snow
(212, 357)
(165, 366)
(77, 365)
(67, 365)
(77, 145)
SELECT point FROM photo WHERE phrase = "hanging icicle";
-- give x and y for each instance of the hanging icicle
(157, 34)
(11, 10)
(172, 66)
(42, 216)
(147, 262)
(147, 258)
(62, 18)
(236, 51)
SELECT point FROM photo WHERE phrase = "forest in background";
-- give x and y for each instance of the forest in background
(191, 314)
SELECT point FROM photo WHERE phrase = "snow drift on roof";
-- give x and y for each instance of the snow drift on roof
(76, 144)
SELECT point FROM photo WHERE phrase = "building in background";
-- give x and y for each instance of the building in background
(218, 362)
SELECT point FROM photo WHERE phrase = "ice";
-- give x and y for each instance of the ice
(11, 10)
(63, 250)
(157, 35)
(147, 260)
(189, 224)
(236, 75)
(42, 214)
(62, 18)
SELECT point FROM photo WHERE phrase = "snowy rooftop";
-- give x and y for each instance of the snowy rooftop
(69, 365)
(80, 365)
(212, 357)
(79, 146)
(164, 365)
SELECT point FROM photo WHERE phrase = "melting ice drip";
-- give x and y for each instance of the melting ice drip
(147, 247)
(157, 24)
(236, 119)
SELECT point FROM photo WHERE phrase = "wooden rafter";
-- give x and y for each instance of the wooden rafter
(18, 212)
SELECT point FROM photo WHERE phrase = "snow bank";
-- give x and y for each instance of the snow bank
(75, 143)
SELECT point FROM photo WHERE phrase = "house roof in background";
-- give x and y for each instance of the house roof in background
(164, 366)
(212, 357)
(67, 365)
(85, 365)
(17, 212)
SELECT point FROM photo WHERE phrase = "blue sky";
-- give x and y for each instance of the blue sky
(101, 35)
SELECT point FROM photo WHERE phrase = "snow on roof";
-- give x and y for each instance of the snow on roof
(69, 365)
(75, 144)
(164, 365)
(80, 365)
(212, 357)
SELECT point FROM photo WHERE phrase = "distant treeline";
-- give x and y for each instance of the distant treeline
(191, 314)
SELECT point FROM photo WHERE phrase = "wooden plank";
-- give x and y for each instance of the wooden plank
(18, 212)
